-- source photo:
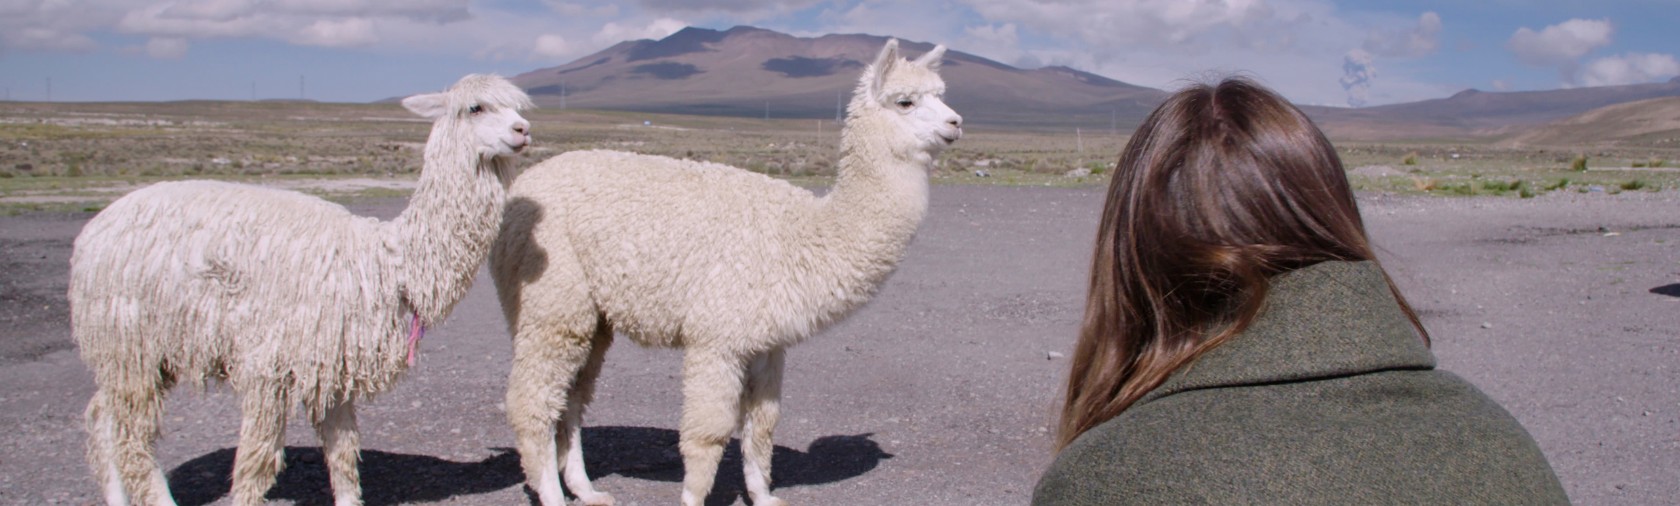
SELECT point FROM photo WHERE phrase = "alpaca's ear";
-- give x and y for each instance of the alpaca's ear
(932, 58)
(429, 105)
(883, 65)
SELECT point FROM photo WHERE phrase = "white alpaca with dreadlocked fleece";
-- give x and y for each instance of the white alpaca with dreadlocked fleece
(288, 298)
(729, 265)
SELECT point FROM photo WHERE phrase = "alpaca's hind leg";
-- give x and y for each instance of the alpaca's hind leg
(761, 406)
(123, 423)
(712, 386)
(544, 368)
(582, 393)
(101, 449)
(340, 442)
(262, 430)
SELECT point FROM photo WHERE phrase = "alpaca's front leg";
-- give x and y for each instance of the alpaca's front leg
(340, 442)
(762, 408)
(543, 372)
(262, 431)
(712, 386)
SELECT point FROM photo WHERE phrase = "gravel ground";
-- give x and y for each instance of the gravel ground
(941, 391)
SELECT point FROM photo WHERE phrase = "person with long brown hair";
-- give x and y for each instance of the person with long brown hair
(1241, 343)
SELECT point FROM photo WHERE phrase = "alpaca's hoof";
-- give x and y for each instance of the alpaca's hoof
(597, 499)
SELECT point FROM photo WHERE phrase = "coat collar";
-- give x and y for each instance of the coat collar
(1326, 320)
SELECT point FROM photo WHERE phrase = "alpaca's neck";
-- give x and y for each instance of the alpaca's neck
(878, 199)
(445, 233)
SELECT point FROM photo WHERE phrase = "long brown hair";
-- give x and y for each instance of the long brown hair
(1221, 188)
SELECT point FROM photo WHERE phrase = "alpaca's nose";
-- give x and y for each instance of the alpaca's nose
(522, 128)
(955, 121)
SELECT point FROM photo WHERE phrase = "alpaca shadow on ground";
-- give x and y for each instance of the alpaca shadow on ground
(387, 478)
(1671, 290)
(651, 454)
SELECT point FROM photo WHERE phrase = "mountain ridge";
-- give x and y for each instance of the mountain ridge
(755, 72)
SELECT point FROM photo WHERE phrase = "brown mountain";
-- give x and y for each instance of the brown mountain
(1479, 113)
(752, 72)
(747, 71)
(1646, 123)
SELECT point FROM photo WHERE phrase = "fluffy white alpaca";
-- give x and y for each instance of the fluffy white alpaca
(730, 265)
(288, 298)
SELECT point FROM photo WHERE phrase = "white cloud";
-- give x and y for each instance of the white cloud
(1632, 68)
(166, 48)
(436, 11)
(1415, 42)
(45, 25)
(1120, 23)
(1560, 44)
(613, 33)
(575, 9)
(1297, 46)
(171, 25)
(350, 32)
(732, 6)
(40, 38)
(167, 20)
(1000, 41)
(549, 45)
(215, 10)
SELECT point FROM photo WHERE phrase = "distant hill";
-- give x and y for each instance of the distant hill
(1649, 123)
(752, 72)
(747, 71)
(1479, 113)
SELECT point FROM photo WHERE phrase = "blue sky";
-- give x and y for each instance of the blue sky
(1326, 52)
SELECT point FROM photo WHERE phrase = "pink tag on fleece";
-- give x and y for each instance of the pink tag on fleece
(415, 332)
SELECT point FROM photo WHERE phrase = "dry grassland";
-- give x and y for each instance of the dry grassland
(79, 156)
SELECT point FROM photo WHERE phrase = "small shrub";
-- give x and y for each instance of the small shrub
(1656, 163)
(1502, 186)
(1410, 159)
(1424, 184)
(1466, 189)
(1562, 183)
(1579, 164)
(1635, 185)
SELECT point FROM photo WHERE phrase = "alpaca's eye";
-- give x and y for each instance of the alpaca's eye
(475, 109)
(905, 103)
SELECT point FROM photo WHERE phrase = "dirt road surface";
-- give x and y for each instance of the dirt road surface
(1565, 308)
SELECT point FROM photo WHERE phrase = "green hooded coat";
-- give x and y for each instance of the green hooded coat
(1329, 397)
